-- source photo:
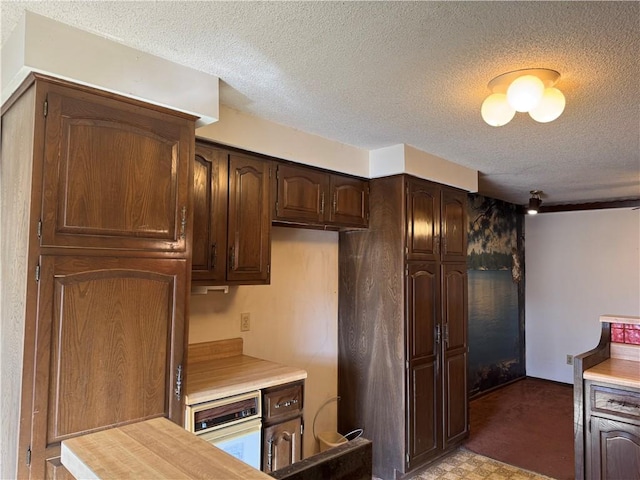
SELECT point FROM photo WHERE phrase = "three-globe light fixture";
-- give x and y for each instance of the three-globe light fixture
(529, 90)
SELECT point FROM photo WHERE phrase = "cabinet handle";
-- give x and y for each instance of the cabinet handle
(288, 403)
(178, 388)
(269, 453)
(446, 334)
(335, 202)
(322, 203)
(437, 334)
(183, 223)
(214, 255)
(624, 403)
(232, 258)
(437, 247)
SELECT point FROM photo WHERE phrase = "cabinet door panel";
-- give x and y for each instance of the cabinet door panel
(615, 450)
(109, 341)
(423, 220)
(282, 445)
(349, 201)
(249, 223)
(423, 376)
(301, 194)
(455, 350)
(454, 228)
(115, 176)
(210, 188)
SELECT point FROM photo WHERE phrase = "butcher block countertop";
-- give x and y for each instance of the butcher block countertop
(219, 369)
(615, 371)
(156, 448)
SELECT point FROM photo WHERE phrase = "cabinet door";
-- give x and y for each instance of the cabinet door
(210, 188)
(116, 176)
(110, 339)
(301, 194)
(249, 223)
(282, 445)
(615, 450)
(423, 220)
(454, 227)
(455, 352)
(349, 201)
(423, 332)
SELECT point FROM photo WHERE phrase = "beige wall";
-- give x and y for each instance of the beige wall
(293, 320)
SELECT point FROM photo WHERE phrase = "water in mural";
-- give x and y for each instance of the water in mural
(496, 338)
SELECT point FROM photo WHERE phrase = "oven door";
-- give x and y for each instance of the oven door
(242, 440)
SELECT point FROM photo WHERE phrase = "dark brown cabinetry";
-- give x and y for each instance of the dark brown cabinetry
(402, 332)
(313, 197)
(109, 234)
(614, 432)
(283, 429)
(232, 217)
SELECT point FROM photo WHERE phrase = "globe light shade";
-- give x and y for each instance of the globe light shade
(525, 93)
(496, 110)
(550, 107)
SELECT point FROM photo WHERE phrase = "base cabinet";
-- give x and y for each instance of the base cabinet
(613, 432)
(282, 444)
(282, 425)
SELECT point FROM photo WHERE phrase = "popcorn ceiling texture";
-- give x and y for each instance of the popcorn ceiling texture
(374, 74)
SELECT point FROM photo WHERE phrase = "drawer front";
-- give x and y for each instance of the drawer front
(285, 402)
(612, 401)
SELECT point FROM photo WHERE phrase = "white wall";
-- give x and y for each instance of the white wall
(579, 265)
(294, 320)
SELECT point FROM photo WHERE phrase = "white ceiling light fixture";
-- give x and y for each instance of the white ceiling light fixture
(529, 90)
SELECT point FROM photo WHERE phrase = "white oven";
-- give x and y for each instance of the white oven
(233, 424)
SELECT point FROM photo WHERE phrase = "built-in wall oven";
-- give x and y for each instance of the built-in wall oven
(233, 424)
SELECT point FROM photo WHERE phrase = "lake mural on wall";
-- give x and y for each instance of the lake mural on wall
(496, 293)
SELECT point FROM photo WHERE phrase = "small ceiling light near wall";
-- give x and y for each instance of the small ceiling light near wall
(530, 90)
(534, 202)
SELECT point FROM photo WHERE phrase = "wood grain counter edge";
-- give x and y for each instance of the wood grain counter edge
(155, 448)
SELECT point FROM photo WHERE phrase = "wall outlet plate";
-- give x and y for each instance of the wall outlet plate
(245, 322)
(569, 359)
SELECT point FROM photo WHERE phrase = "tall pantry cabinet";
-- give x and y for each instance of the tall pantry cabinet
(102, 185)
(402, 328)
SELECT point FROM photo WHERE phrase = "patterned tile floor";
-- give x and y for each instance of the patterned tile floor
(466, 465)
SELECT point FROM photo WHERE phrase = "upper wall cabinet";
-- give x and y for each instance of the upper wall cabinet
(311, 197)
(116, 175)
(435, 222)
(232, 217)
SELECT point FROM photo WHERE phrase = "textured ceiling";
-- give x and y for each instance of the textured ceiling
(374, 74)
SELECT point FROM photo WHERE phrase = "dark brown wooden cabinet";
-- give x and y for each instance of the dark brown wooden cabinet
(402, 325)
(107, 230)
(613, 432)
(232, 217)
(314, 197)
(282, 425)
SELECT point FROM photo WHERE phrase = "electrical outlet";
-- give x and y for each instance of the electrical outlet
(245, 322)
(569, 359)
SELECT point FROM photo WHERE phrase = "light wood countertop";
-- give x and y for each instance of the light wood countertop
(157, 449)
(616, 371)
(223, 377)
(626, 319)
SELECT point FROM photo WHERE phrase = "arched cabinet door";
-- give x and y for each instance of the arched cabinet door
(454, 228)
(116, 175)
(109, 348)
(249, 222)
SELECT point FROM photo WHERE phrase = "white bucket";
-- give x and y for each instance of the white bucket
(328, 440)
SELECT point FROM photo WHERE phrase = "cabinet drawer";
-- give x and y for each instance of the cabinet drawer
(621, 403)
(283, 402)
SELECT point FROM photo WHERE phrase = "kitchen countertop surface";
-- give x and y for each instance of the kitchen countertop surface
(156, 448)
(616, 371)
(232, 375)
